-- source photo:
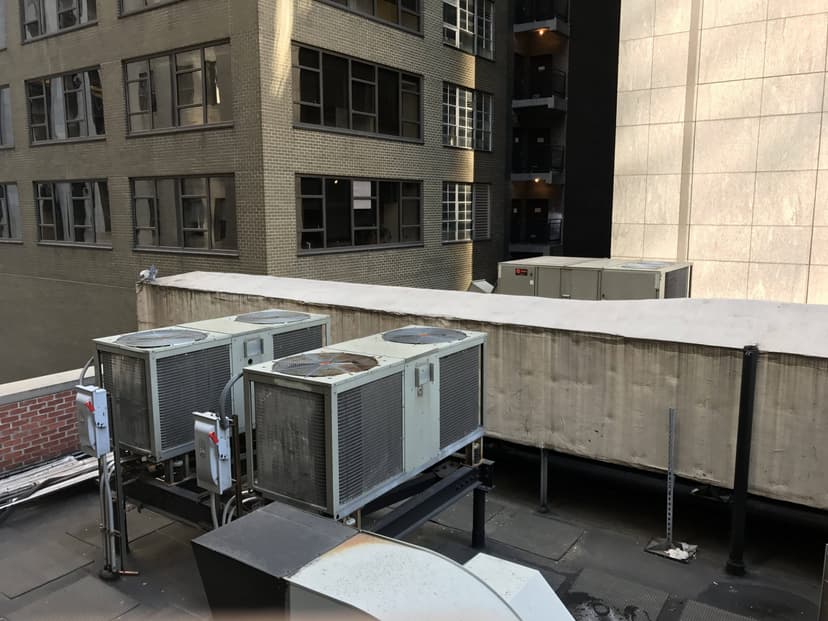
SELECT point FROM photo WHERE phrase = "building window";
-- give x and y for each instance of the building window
(180, 89)
(75, 212)
(467, 118)
(335, 212)
(44, 17)
(6, 135)
(132, 6)
(185, 213)
(466, 211)
(404, 13)
(9, 212)
(469, 25)
(66, 106)
(345, 93)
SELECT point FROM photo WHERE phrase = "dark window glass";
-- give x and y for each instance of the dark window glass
(335, 90)
(357, 212)
(76, 212)
(66, 106)
(338, 212)
(192, 212)
(389, 102)
(186, 88)
(357, 95)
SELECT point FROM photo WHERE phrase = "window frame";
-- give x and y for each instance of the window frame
(48, 112)
(179, 218)
(479, 99)
(14, 237)
(175, 108)
(24, 39)
(343, 5)
(481, 15)
(402, 77)
(144, 9)
(72, 227)
(473, 190)
(6, 88)
(353, 247)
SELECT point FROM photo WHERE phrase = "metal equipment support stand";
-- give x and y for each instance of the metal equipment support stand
(479, 517)
(823, 600)
(544, 484)
(667, 547)
(735, 563)
(671, 472)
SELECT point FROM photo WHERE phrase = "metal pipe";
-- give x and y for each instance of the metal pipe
(225, 420)
(237, 464)
(214, 511)
(84, 370)
(735, 562)
(479, 518)
(544, 484)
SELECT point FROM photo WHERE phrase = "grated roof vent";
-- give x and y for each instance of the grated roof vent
(324, 364)
(272, 317)
(163, 337)
(422, 335)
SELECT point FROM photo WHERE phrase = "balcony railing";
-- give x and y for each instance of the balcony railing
(534, 80)
(540, 10)
(532, 153)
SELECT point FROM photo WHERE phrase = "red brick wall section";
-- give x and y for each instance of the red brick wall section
(38, 429)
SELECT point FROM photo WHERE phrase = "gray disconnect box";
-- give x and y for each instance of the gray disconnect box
(577, 278)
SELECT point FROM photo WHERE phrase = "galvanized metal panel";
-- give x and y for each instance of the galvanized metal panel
(297, 341)
(187, 383)
(291, 452)
(459, 395)
(370, 435)
(125, 377)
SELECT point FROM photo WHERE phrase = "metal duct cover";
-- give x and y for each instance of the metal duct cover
(423, 335)
(272, 317)
(324, 364)
(164, 337)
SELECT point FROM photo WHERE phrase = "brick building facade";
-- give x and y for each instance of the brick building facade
(65, 156)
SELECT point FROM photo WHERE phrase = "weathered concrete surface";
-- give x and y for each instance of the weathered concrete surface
(593, 379)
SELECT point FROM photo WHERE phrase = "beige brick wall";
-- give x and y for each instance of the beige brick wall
(67, 295)
(288, 150)
(720, 150)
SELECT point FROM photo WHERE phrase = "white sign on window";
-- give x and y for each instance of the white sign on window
(362, 188)
(362, 204)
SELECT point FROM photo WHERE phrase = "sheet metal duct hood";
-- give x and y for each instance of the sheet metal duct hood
(283, 560)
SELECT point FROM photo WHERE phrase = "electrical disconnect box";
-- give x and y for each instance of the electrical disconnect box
(93, 420)
(212, 449)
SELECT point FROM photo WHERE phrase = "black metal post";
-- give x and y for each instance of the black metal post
(237, 464)
(544, 484)
(735, 562)
(479, 517)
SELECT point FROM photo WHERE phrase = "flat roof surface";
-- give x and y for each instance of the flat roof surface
(800, 329)
(589, 548)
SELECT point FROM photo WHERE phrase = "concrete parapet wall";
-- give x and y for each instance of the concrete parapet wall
(593, 379)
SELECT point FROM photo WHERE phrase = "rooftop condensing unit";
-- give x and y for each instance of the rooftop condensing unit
(337, 427)
(266, 335)
(158, 378)
(594, 279)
